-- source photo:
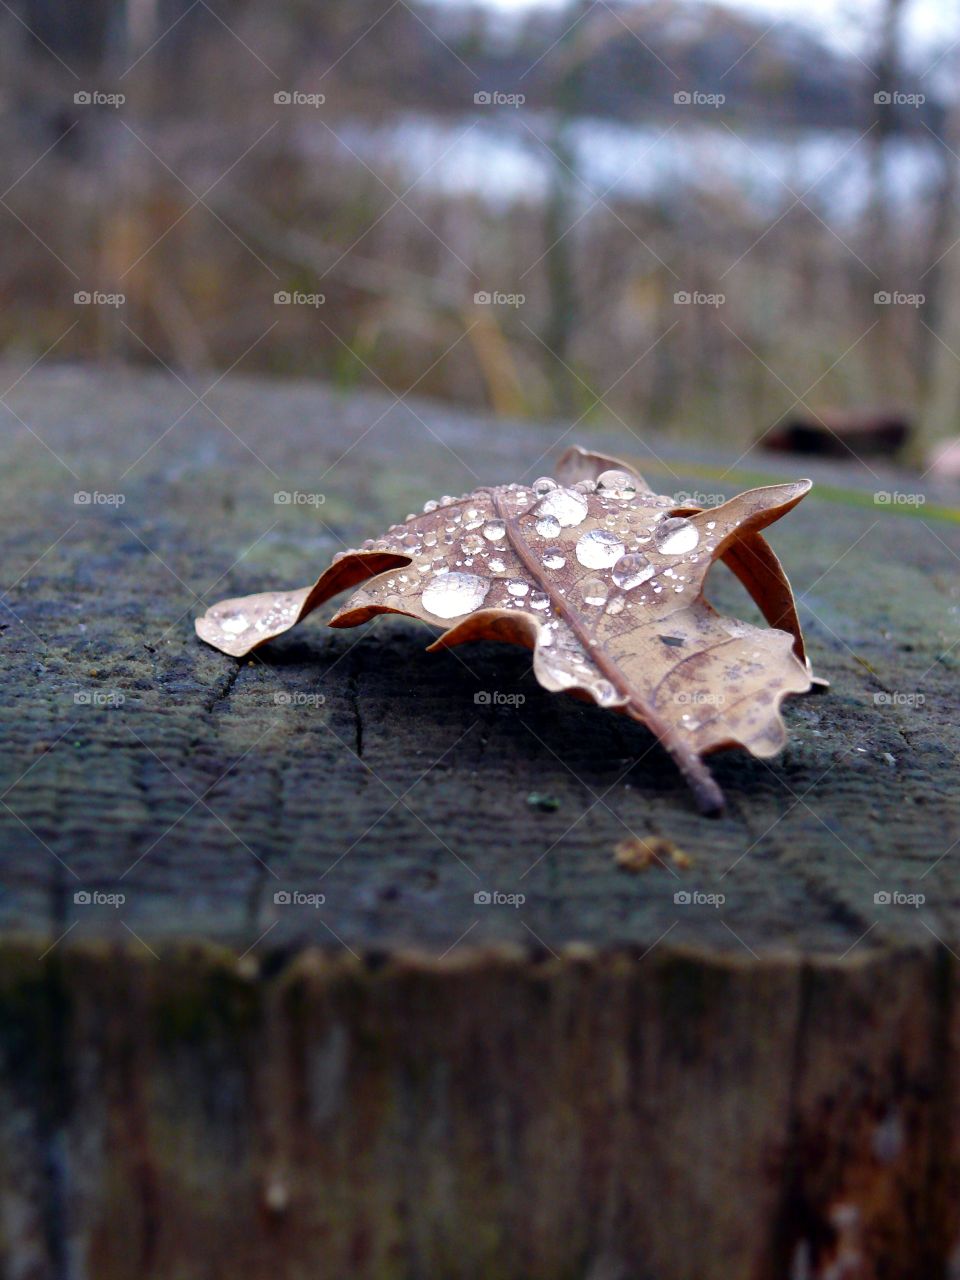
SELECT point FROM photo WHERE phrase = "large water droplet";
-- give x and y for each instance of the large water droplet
(631, 570)
(539, 600)
(472, 518)
(604, 692)
(616, 484)
(599, 549)
(431, 505)
(553, 558)
(548, 526)
(594, 591)
(517, 587)
(543, 486)
(567, 507)
(451, 594)
(496, 565)
(472, 544)
(494, 530)
(676, 536)
(234, 623)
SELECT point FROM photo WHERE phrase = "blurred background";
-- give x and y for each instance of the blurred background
(713, 221)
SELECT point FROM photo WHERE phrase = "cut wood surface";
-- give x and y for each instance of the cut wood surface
(739, 1061)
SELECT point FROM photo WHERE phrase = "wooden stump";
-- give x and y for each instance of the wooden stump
(738, 1063)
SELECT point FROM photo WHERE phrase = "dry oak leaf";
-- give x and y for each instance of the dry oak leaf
(602, 578)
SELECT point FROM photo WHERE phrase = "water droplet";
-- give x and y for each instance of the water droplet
(497, 565)
(431, 505)
(553, 558)
(517, 587)
(234, 623)
(585, 486)
(599, 549)
(539, 600)
(548, 526)
(594, 591)
(472, 518)
(615, 606)
(566, 506)
(494, 530)
(604, 692)
(429, 539)
(472, 544)
(630, 570)
(617, 484)
(451, 594)
(676, 536)
(543, 485)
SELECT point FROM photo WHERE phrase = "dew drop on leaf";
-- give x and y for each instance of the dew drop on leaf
(234, 623)
(494, 530)
(553, 558)
(543, 486)
(548, 526)
(539, 600)
(594, 591)
(565, 505)
(630, 570)
(617, 484)
(517, 587)
(676, 536)
(472, 544)
(451, 594)
(599, 549)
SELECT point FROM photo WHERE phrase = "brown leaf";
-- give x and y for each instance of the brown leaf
(603, 579)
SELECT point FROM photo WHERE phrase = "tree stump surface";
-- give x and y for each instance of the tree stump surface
(741, 1061)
